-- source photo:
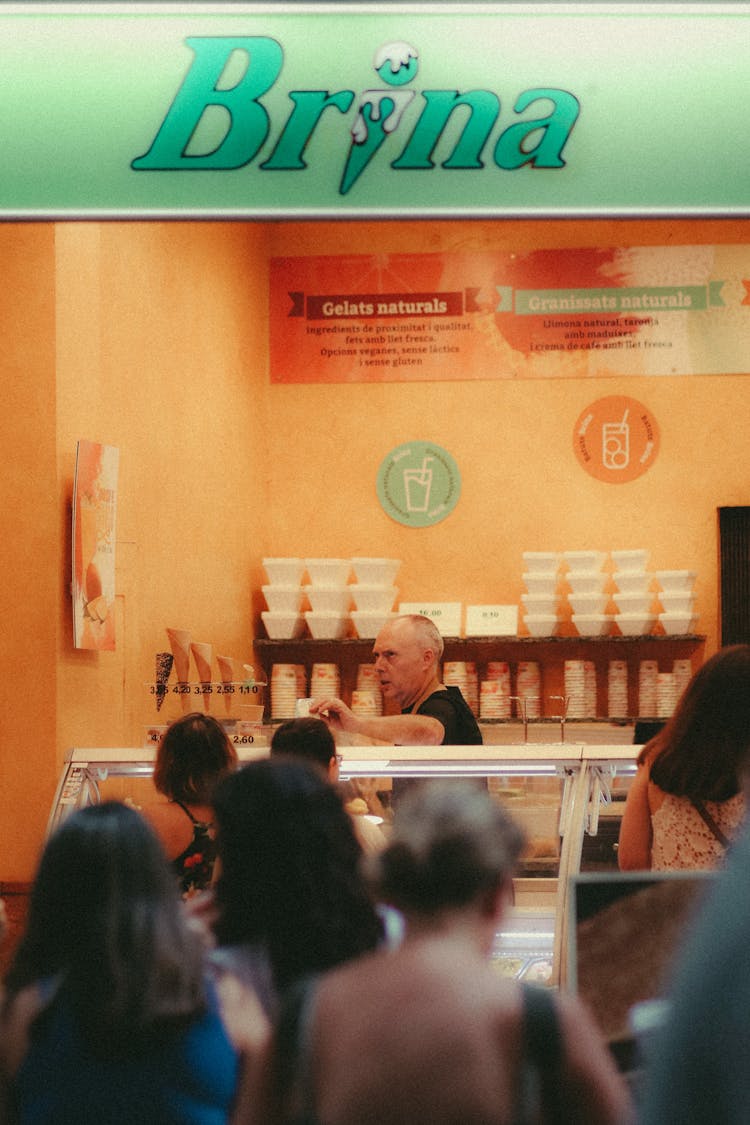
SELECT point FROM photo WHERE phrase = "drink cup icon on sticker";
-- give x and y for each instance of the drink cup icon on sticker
(417, 485)
(616, 444)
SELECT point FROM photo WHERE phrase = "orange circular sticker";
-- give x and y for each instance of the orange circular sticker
(616, 439)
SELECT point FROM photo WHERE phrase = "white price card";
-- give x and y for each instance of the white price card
(491, 620)
(445, 615)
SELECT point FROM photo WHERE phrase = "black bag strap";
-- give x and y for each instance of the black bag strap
(543, 1053)
(710, 822)
(292, 1078)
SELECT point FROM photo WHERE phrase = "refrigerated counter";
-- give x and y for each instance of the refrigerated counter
(567, 796)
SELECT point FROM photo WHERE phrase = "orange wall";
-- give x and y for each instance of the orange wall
(29, 572)
(153, 337)
(522, 487)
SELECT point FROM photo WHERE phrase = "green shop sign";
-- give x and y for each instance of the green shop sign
(245, 110)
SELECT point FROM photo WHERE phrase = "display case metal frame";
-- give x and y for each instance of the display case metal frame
(585, 770)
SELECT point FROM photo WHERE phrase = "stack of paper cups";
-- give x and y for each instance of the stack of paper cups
(494, 691)
(529, 687)
(575, 688)
(367, 697)
(589, 688)
(463, 675)
(287, 686)
(682, 670)
(648, 671)
(367, 702)
(665, 694)
(367, 677)
(494, 700)
(617, 689)
(472, 686)
(325, 681)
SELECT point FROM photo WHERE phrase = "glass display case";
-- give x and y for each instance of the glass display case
(568, 797)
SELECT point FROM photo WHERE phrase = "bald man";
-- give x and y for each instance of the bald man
(407, 654)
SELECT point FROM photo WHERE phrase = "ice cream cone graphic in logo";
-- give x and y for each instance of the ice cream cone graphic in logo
(616, 439)
(418, 484)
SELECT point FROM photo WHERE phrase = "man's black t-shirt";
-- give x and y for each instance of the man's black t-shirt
(449, 707)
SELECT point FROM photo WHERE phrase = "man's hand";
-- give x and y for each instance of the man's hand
(335, 713)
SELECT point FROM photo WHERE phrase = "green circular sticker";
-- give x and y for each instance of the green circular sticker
(418, 484)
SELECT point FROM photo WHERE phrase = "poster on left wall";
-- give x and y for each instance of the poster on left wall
(94, 511)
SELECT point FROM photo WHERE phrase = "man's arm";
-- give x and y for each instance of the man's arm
(396, 730)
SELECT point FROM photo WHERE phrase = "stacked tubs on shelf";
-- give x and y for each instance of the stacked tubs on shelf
(634, 597)
(541, 601)
(283, 620)
(676, 595)
(329, 596)
(588, 598)
(373, 594)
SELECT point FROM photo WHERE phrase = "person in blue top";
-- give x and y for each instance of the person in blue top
(108, 1014)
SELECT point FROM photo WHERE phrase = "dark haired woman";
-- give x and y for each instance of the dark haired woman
(289, 897)
(193, 755)
(686, 801)
(108, 1016)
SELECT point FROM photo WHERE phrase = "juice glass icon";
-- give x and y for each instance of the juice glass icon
(616, 444)
(417, 485)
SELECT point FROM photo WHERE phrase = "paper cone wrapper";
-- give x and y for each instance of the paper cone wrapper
(226, 675)
(179, 642)
(203, 655)
(164, 662)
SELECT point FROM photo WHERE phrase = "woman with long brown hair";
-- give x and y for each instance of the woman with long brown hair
(686, 801)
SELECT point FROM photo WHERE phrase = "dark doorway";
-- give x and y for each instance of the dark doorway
(734, 575)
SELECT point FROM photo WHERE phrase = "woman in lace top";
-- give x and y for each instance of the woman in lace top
(687, 801)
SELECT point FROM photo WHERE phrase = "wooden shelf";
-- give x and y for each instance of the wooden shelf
(550, 652)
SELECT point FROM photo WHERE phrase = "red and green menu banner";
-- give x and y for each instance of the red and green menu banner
(650, 310)
(312, 110)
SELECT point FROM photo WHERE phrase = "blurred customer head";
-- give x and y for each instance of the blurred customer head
(289, 869)
(193, 754)
(451, 847)
(310, 739)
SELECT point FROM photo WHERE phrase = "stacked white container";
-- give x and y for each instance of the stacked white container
(329, 597)
(541, 602)
(676, 594)
(588, 598)
(634, 598)
(373, 594)
(283, 620)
